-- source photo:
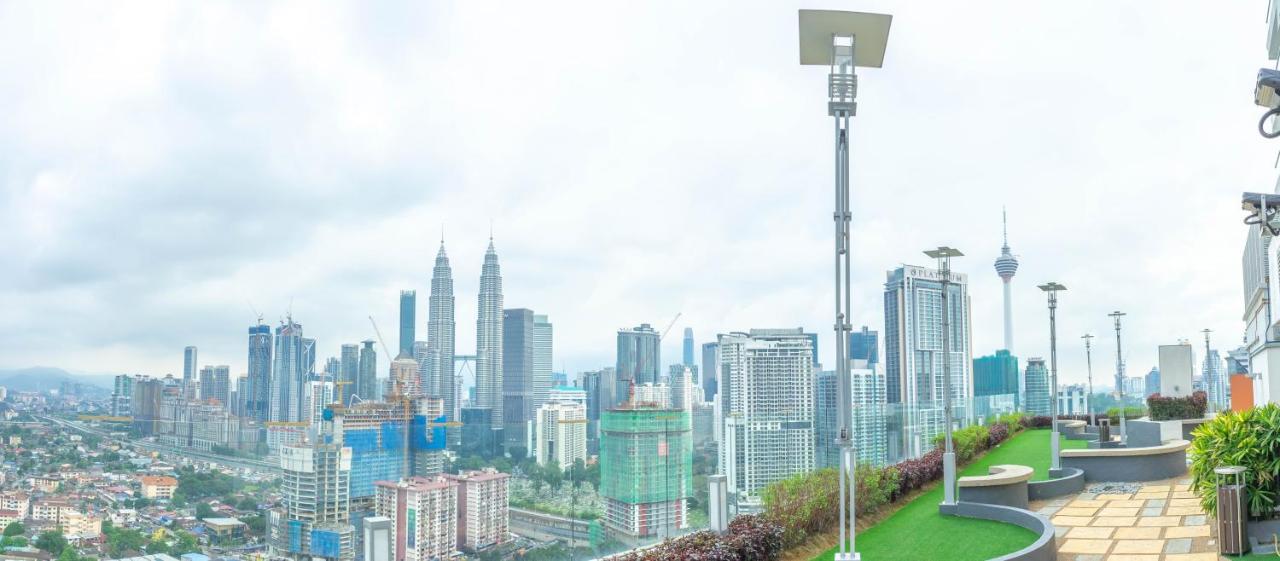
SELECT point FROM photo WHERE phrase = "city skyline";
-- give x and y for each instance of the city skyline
(91, 297)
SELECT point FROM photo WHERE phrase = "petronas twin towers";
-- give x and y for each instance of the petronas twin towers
(440, 376)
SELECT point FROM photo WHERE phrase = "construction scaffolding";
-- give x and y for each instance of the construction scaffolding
(646, 470)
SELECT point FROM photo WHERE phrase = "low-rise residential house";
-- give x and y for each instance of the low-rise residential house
(158, 486)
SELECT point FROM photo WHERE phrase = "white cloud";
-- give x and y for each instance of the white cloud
(165, 164)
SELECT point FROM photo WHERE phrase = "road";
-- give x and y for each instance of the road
(188, 453)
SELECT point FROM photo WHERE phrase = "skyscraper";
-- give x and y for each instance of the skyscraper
(865, 345)
(542, 360)
(710, 370)
(638, 359)
(190, 369)
(349, 372)
(1006, 266)
(768, 432)
(440, 336)
(408, 311)
(995, 374)
(913, 355)
(367, 375)
(1215, 380)
(122, 396)
(489, 367)
(1151, 383)
(870, 429)
(688, 347)
(257, 402)
(288, 373)
(517, 373)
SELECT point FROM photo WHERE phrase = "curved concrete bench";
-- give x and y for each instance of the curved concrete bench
(1071, 427)
(1149, 463)
(1003, 485)
(1045, 548)
(1063, 481)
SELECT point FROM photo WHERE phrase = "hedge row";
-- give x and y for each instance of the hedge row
(1171, 408)
(750, 538)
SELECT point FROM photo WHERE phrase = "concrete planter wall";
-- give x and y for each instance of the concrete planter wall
(1005, 485)
(1145, 432)
(1065, 482)
(1045, 547)
(1148, 463)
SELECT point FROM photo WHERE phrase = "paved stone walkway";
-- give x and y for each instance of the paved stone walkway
(1161, 522)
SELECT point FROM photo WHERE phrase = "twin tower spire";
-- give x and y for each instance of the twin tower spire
(439, 376)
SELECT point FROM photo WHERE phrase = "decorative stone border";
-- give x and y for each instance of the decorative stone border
(1149, 463)
(1045, 547)
(1065, 481)
(1004, 485)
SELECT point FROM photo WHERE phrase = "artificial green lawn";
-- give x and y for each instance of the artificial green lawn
(918, 532)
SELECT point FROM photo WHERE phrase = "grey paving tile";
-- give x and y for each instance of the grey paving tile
(1058, 502)
(1087, 496)
(1059, 531)
(1088, 558)
(1178, 545)
(1198, 520)
(1048, 510)
(1153, 511)
(1156, 502)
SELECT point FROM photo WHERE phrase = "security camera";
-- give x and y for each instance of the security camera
(1265, 95)
(1262, 210)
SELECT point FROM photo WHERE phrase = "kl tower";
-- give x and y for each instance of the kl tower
(1006, 266)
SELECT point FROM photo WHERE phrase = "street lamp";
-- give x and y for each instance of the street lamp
(944, 254)
(1052, 288)
(842, 41)
(1088, 399)
(1116, 315)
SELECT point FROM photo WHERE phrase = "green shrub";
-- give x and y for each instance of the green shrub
(968, 442)
(1129, 413)
(808, 504)
(1015, 421)
(1250, 438)
(1173, 408)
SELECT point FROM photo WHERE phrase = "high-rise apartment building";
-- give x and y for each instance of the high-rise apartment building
(541, 382)
(914, 359)
(489, 340)
(319, 395)
(1151, 382)
(1037, 384)
(215, 384)
(682, 381)
(367, 374)
(484, 499)
(145, 405)
(122, 396)
(1215, 380)
(190, 370)
(826, 401)
(257, 401)
(408, 318)
(288, 373)
(870, 426)
(238, 397)
(769, 423)
(1071, 400)
(638, 359)
(646, 471)
(441, 380)
(424, 514)
(313, 521)
(559, 433)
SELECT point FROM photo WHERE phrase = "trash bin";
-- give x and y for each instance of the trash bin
(1104, 430)
(1233, 515)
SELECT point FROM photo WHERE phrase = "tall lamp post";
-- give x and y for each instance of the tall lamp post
(1116, 315)
(1052, 289)
(944, 254)
(842, 41)
(1088, 360)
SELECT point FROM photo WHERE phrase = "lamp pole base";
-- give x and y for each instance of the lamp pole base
(949, 478)
(853, 556)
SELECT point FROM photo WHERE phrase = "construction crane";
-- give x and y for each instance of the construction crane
(669, 326)
(380, 341)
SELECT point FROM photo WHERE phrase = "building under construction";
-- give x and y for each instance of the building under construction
(646, 470)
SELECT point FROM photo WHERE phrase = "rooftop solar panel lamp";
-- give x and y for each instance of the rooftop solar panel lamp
(843, 41)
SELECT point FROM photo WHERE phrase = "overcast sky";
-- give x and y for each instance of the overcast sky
(163, 165)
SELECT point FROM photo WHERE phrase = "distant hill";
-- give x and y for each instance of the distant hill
(43, 378)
